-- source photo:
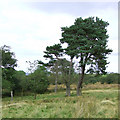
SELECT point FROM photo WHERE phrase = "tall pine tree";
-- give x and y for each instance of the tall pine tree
(53, 53)
(87, 41)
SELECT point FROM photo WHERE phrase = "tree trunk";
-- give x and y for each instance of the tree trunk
(22, 92)
(56, 77)
(68, 83)
(79, 87)
(67, 90)
(55, 85)
(35, 95)
(11, 95)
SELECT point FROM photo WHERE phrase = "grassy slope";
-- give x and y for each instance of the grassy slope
(100, 103)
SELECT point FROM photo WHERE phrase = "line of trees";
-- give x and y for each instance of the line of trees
(86, 41)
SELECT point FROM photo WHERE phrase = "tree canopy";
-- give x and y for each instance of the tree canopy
(39, 80)
(53, 53)
(87, 41)
(9, 62)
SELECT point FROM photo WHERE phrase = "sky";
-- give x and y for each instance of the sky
(29, 27)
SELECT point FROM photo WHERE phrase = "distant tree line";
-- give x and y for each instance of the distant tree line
(86, 41)
(111, 78)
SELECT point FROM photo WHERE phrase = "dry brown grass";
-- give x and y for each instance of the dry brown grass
(52, 87)
(97, 85)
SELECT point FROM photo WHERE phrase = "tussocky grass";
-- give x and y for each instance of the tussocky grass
(94, 103)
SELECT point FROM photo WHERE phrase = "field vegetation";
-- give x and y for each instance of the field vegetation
(93, 103)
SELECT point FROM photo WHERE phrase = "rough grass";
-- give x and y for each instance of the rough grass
(97, 85)
(100, 103)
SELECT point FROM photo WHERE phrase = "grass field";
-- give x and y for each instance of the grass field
(95, 102)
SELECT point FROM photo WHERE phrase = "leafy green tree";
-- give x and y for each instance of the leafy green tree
(39, 80)
(53, 53)
(6, 87)
(89, 39)
(8, 67)
(8, 57)
(22, 81)
(38, 77)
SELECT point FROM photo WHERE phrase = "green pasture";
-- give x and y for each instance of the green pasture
(96, 103)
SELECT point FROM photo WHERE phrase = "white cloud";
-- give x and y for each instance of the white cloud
(29, 31)
(113, 65)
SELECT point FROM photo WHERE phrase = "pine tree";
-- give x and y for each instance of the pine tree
(87, 41)
(53, 53)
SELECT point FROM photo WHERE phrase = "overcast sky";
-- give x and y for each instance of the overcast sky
(28, 27)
